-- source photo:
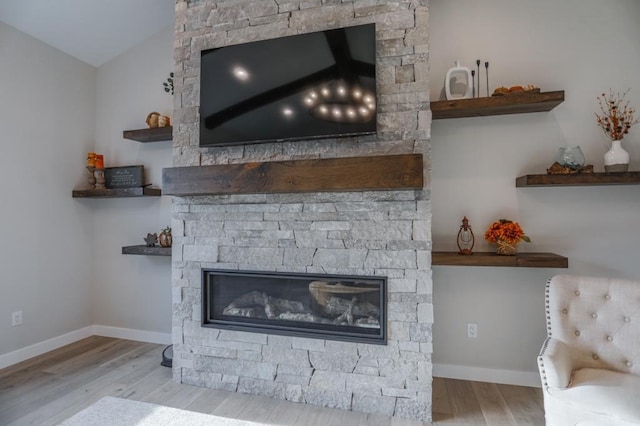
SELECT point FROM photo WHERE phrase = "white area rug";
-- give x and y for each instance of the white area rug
(111, 411)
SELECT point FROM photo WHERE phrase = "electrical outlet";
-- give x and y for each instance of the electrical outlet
(16, 318)
(472, 330)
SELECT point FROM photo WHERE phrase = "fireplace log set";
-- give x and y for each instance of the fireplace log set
(331, 303)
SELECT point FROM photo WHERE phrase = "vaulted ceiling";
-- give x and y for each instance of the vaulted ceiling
(93, 31)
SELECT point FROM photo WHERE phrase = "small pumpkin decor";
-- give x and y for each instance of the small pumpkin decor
(155, 119)
(164, 238)
(506, 234)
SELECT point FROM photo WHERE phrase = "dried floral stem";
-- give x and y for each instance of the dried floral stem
(168, 85)
(617, 116)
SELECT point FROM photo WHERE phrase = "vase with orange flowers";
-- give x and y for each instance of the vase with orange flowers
(506, 234)
(615, 119)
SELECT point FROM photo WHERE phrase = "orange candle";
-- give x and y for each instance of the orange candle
(99, 161)
(91, 159)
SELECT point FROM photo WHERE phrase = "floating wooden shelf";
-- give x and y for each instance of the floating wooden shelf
(385, 172)
(520, 260)
(586, 179)
(117, 193)
(497, 105)
(147, 251)
(155, 134)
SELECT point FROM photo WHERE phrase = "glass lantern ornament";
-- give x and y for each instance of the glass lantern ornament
(465, 238)
(458, 83)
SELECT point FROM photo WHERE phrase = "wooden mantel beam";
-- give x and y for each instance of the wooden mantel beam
(386, 172)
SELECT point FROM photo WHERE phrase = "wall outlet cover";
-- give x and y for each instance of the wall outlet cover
(472, 330)
(16, 318)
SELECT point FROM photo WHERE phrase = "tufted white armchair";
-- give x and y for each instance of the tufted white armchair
(590, 362)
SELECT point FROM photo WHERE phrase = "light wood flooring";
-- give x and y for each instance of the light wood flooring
(52, 387)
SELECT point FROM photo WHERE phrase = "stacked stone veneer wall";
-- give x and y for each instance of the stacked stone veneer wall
(384, 233)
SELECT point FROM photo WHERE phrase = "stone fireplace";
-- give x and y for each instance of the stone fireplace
(377, 242)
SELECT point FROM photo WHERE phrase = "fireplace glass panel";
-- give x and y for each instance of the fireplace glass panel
(335, 307)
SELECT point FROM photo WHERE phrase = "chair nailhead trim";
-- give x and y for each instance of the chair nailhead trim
(609, 338)
(607, 297)
(577, 332)
(594, 315)
(596, 357)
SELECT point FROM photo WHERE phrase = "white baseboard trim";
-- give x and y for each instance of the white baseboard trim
(39, 348)
(11, 358)
(131, 334)
(490, 375)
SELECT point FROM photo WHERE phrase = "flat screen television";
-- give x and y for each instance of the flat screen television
(307, 86)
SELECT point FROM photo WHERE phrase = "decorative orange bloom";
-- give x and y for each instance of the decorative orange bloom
(505, 230)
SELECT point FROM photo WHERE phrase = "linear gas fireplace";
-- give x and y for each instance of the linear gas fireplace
(351, 308)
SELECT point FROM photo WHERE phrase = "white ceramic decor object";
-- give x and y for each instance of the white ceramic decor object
(616, 159)
(458, 78)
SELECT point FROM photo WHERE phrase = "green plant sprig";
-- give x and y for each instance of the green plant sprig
(168, 85)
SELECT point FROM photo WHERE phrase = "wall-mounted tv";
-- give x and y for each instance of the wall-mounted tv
(307, 86)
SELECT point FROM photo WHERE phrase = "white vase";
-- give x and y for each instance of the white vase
(616, 159)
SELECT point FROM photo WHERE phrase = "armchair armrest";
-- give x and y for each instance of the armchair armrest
(554, 363)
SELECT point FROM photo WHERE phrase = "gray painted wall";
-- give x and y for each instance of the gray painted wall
(584, 48)
(47, 119)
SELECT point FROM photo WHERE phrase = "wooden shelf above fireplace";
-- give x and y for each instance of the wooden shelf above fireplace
(117, 193)
(521, 260)
(497, 105)
(385, 172)
(155, 134)
(147, 251)
(587, 179)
